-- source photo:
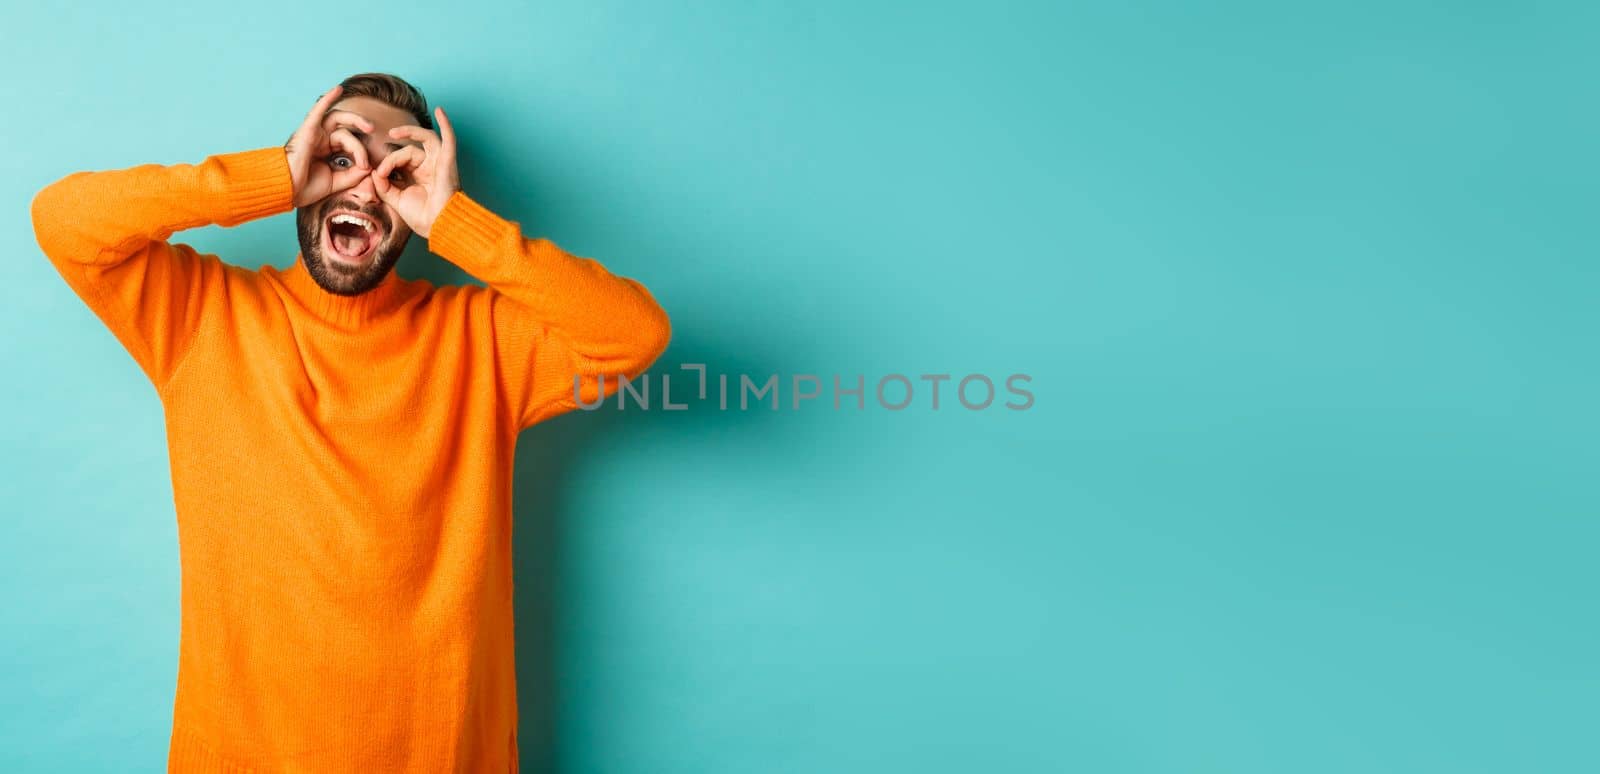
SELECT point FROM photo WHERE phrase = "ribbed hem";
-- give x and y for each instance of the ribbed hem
(465, 231)
(258, 184)
(189, 754)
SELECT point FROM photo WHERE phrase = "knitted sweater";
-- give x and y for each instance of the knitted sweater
(341, 465)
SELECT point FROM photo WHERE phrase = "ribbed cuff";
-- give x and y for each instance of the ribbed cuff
(465, 231)
(257, 183)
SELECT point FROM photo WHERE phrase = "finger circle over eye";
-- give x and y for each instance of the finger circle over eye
(343, 139)
(402, 159)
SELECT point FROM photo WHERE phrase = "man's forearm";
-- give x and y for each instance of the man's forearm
(604, 324)
(104, 217)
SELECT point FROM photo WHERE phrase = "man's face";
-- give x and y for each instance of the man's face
(346, 257)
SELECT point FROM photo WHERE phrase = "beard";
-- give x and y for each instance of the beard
(334, 275)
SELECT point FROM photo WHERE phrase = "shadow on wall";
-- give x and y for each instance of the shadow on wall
(549, 455)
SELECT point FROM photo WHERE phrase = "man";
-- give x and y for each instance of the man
(341, 439)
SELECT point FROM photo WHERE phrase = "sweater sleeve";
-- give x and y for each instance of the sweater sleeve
(558, 318)
(106, 234)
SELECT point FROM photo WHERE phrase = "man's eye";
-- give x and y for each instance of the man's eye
(342, 161)
(400, 178)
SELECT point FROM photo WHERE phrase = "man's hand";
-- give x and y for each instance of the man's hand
(325, 158)
(427, 175)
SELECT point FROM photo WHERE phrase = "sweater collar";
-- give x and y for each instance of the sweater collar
(348, 311)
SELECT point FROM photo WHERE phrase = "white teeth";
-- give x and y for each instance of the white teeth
(362, 222)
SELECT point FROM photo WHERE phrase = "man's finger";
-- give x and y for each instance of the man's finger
(387, 166)
(429, 140)
(387, 191)
(318, 145)
(338, 118)
(446, 131)
(412, 157)
(380, 184)
(343, 140)
(314, 118)
(409, 158)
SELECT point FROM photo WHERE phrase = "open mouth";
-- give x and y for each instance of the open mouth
(350, 236)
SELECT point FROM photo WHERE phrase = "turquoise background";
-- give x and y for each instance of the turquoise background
(1307, 293)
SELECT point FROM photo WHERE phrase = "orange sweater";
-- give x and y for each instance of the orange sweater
(341, 466)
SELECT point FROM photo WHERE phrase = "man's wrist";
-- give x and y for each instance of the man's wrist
(464, 230)
(256, 184)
